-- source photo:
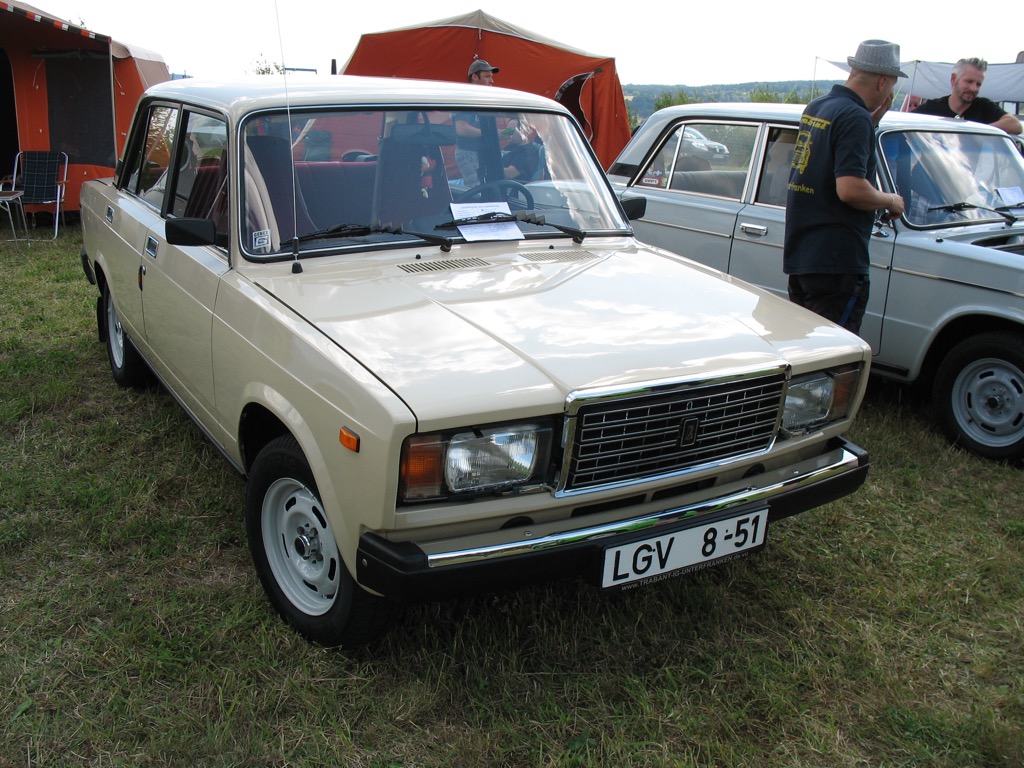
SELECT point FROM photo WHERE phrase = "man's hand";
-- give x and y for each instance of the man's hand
(881, 110)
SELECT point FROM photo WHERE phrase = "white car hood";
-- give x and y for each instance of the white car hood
(457, 334)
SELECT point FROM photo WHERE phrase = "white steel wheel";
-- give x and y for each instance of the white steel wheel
(126, 365)
(979, 395)
(296, 555)
(301, 550)
(115, 334)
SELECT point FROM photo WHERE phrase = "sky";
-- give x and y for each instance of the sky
(660, 42)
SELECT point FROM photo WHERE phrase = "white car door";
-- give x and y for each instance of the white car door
(179, 284)
(694, 196)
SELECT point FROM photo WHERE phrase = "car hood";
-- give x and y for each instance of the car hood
(516, 332)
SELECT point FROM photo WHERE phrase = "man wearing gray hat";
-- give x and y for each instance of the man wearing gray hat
(481, 72)
(467, 127)
(831, 198)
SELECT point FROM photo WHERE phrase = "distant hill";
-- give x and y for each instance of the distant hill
(641, 98)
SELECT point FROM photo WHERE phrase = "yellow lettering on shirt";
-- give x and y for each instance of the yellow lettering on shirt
(815, 122)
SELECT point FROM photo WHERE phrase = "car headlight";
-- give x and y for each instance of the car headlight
(472, 462)
(819, 398)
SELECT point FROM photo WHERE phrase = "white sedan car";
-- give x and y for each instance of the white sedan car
(435, 386)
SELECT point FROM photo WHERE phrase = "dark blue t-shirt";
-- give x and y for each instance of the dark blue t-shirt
(824, 235)
(472, 143)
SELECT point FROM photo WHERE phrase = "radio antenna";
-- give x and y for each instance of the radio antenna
(296, 264)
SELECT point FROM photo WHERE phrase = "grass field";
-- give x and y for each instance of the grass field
(883, 630)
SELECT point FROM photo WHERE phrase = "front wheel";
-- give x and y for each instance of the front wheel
(296, 555)
(979, 395)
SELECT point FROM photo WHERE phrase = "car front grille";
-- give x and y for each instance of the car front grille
(616, 438)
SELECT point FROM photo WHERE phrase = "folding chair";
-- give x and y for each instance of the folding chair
(42, 177)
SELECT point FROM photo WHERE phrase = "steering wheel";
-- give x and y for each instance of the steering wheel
(507, 189)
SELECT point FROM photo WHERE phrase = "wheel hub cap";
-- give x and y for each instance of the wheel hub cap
(308, 546)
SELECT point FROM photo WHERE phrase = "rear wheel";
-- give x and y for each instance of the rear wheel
(126, 366)
(296, 555)
(979, 395)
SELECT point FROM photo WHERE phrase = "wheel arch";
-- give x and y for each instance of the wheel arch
(956, 331)
(101, 284)
(257, 426)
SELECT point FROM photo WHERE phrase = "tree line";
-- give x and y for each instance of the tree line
(643, 100)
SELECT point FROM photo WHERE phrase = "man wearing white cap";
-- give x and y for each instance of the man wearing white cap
(831, 198)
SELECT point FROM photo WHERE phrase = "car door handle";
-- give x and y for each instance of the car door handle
(110, 214)
(754, 230)
(151, 246)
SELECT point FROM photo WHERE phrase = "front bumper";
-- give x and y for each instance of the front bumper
(404, 571)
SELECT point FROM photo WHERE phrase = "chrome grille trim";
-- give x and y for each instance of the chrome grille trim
(618, 437)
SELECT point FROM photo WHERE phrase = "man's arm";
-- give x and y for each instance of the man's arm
(466, 129)
(1009, 123)
(861, 194)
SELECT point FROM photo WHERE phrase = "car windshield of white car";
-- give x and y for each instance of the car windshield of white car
(954, 178)
(330, 179)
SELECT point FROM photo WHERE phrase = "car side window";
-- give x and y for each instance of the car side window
(704, 158)
(659, 170)
(778, 158)
(151, 164)
(201, 189)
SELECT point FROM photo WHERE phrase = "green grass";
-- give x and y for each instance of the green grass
(882, 630)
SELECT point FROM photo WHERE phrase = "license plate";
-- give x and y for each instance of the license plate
(688, 550)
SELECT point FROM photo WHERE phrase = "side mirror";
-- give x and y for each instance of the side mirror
(191, 232)
(634, 207)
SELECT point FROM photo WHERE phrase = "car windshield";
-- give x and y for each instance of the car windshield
(950, 178)
(317, 181)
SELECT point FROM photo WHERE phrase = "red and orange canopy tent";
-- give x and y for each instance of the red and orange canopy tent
(587, 84)
(63, 87)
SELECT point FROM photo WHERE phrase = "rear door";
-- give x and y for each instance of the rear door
(760, 231)
(761, 225)
(136, 212)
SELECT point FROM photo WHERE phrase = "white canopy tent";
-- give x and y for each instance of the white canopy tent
(1004, 83)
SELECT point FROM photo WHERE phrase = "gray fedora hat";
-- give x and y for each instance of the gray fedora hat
(879, 57)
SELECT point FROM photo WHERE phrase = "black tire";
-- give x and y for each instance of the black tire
(126, 365)
(979, 395)
(296, 555)
(496, 191)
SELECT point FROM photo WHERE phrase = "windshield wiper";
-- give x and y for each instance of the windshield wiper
(577, 233)
(346, 230)
(491, 217)
(497, 217)
(965, 206)
(444, 241)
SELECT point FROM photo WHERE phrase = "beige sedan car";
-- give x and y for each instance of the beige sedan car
(432, 386)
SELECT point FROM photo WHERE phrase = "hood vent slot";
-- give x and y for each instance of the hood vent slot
(577, 255)
(442, 266)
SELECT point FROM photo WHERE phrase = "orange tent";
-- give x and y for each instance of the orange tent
(587, 84)
(65, 88)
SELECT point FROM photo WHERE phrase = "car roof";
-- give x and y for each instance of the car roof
(236, 98)
(777, 113)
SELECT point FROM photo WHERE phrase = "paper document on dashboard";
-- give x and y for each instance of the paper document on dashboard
(504, 230)
(1011, 196)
